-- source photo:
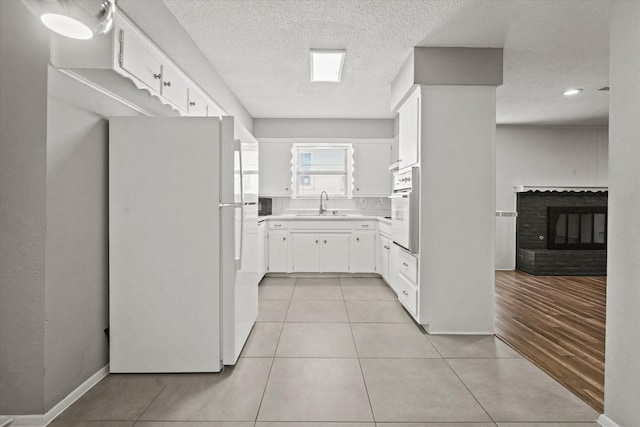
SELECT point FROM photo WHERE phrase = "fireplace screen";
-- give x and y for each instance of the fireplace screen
(577, 228)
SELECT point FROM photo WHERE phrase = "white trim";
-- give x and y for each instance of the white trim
(75, 395)
(523, 188)
(426, 328)
(24, 420)
(605, 421)
(321, 140)
(103, 91)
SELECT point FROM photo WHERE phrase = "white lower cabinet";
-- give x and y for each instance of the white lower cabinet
(408, 296)
(334, 253)
(324, 252)
(363, 257)
(394, 276)
(306, 252)
(278, 248)
(383, 248)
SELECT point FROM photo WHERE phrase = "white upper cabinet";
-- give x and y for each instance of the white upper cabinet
(275, 168)
(138, 58)
(409, 130)
(175, 86)
(371, 169)
(126, 55)
(197, 103)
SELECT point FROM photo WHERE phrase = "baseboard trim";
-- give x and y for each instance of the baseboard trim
(430, 332)
(22, 420)
(605, 421)
(75, 395)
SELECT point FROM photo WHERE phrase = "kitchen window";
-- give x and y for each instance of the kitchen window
(318, 168)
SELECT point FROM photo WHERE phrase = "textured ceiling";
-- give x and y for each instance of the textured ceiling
(261, 49)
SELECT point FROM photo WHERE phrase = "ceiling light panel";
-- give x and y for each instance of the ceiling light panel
(571, 92)
(326, 65)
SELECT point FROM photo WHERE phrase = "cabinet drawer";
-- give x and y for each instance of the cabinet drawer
(364, 225)
(278, 225)
(408, 266)
(408, 296)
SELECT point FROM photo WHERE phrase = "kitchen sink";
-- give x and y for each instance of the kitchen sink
(321, 216)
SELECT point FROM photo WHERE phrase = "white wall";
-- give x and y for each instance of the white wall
(23, 126)
(622, 361)
(543, 155)
(457, 209)
(77, 234)
(326, 130)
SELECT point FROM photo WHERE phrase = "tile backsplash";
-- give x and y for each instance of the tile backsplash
(374, 206)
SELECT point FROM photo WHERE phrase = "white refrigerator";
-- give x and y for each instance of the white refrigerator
(183, 285)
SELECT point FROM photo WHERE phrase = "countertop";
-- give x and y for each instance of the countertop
(314, 217)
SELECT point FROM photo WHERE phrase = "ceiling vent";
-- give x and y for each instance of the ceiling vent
(606, 88)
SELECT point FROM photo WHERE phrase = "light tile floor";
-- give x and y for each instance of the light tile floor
(330, 352)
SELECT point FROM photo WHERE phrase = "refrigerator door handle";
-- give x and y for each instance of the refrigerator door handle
(238, 147)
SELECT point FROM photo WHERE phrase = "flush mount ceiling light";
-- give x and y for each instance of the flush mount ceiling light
(77, 19)
(571, 92)
(326, 65)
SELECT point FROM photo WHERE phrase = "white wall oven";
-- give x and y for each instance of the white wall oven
(405, 208)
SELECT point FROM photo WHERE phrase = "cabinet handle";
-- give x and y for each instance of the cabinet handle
(316, 242)
(365, 226)
(405, 264)
(405, 292)
(157, 76)
(358, 189)
(357, 239)
(167, 83)
(325, 242)
(277, 225)
(284, 238)
(192, 103)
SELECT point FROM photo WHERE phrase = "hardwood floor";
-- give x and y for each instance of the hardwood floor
(558, 323)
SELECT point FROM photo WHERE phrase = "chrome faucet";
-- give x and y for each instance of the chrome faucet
(323, 208)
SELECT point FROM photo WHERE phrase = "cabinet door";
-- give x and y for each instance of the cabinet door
(394, 273)
(138, 60)
(363, 252)
(262, 255)
(275, 169)
(371, 169)
(409, 131)
(306, 252)
(278, 251)
(197, 103)
(175, 88)
(384, 257)
(334, 252)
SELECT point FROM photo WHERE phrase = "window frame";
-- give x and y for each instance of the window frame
(349, 168)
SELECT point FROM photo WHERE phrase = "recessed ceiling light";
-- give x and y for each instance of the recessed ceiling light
(326, 65)
(571, 92)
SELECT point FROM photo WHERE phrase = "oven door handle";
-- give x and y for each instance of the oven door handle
(400, 196)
